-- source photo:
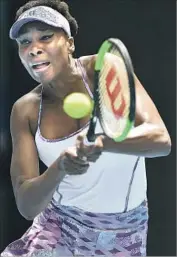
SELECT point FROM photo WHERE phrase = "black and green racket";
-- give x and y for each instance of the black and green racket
(114, 91)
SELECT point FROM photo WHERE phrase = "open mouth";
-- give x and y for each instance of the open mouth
(40, 66)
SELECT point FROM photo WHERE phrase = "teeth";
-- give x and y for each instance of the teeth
(40, 63)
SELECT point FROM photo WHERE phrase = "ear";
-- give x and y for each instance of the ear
(71, 46)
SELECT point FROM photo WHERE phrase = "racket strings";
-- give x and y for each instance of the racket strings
(114, 97)
(122, 74)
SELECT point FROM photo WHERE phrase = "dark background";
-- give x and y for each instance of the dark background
(148, 30)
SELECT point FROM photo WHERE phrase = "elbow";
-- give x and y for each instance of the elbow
(166, 145)
(25, 209)
(25, 205)
(25, 214)
(28, 217)
(164, 142)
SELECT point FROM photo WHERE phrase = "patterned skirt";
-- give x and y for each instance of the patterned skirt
(69, 231)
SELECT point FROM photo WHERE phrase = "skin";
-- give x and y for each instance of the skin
(40, 42)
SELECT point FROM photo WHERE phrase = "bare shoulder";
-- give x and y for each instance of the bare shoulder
(27, 101)
(88, 59)
(88, 62)
(26, 108)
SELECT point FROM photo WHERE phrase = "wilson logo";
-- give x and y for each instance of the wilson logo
(114, 90)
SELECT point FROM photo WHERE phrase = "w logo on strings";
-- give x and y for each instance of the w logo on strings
(113, 86)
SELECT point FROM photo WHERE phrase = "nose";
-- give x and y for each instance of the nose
(35, 51)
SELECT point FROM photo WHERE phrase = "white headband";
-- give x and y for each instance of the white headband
(40, 13)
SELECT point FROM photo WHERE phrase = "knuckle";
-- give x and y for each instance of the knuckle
(80, 137)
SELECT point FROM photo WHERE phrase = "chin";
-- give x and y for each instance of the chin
(43, 79)
(37, 80)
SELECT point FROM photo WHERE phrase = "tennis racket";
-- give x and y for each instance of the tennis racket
(114, 92)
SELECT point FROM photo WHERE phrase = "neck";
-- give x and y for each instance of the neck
(67, 83)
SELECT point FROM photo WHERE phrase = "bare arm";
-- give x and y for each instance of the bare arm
(32, 191)
(150, 137)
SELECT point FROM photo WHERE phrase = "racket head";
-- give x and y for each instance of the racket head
(114, 96)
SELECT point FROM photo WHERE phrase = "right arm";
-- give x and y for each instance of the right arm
(32, 191)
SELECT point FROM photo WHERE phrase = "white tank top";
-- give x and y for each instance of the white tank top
(114, 183)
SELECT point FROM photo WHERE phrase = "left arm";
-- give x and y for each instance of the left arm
(149, 137)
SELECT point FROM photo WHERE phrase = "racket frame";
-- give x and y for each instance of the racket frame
(105, 48)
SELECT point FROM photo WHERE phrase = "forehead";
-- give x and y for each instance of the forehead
(36, 25)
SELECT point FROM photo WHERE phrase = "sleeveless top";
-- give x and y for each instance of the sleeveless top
(114, 183)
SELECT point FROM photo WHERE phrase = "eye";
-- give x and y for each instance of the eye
(46, 37)
(24, 42)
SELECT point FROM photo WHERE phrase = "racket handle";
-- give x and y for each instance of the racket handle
(91, 131)
(87, 142)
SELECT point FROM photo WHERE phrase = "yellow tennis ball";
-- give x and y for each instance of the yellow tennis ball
(77, 105)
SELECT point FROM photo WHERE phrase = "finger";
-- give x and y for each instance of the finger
(72, 151)
(71, 164)
(97, 148)
(76, 159)
(80, 147)
(77, 172)
(93, 157)
(73, 168)
(99, 141)
(87, 150)
(98, 144)
(79, 141)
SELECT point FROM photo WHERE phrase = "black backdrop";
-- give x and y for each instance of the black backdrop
(147, 28)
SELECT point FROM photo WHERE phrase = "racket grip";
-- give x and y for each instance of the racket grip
(87, 142)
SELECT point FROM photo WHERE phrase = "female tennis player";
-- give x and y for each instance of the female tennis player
(92, 199)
